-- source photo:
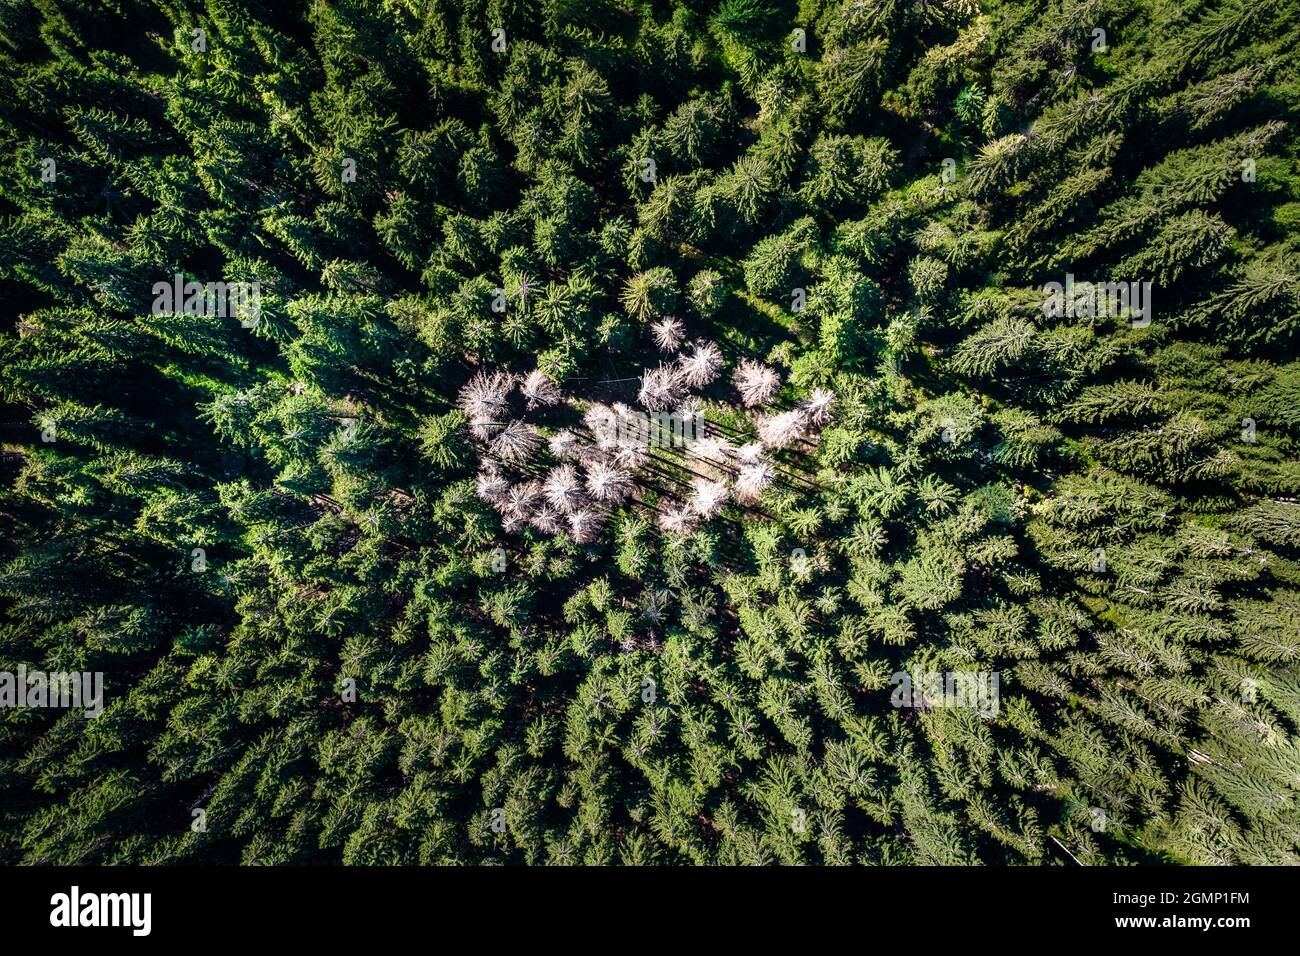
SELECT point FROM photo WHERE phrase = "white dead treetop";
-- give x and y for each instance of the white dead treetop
(689, 407)
(630, 455)
(783, 429)
(583, 525)
(818, 406)
(711, 448)
(677, 519)
(546, 519)
(564, 444)
(668, 333)
(630, 425)
(523, 498)
(607, 483)
(751, 453)
(491, 486)
(516, 443)
(485, 400)
(513, 522)
(661, 388)
(707, 497)
(751, 480)
(603, 422)
(563, 489)
(540, 390)
(702, 366)
(757, 383)
(634, 429)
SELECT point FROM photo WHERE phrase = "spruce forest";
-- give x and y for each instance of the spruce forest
(643, 432)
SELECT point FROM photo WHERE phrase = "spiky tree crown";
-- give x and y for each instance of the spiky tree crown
(668, 333)
(757, 383)
(701, 366)
(538, 389)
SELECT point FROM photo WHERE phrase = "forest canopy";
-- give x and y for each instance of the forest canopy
(591, 432)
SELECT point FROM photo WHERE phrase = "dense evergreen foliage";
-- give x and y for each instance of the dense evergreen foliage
(347, 612)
